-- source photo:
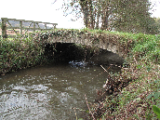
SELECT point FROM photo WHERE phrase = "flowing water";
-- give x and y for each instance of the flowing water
(51, 92)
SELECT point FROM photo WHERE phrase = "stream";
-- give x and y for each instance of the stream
(50, 92)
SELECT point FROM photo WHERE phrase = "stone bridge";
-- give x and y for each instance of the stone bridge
(106, 41)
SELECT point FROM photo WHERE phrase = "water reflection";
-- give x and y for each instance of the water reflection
(49, 92)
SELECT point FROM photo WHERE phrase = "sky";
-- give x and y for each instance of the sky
(45, 10)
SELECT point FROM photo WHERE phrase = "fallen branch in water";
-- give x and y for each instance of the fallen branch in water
(105, 69)
(75, 114)
(89, 107)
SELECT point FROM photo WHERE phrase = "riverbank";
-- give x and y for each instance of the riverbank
(135, 99)
(128, 101)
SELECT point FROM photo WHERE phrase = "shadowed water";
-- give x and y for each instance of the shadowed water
(49, 92)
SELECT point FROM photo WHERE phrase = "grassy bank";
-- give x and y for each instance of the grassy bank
(19, 53)
(135, 101)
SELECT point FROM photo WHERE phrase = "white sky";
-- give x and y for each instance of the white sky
(44, 10)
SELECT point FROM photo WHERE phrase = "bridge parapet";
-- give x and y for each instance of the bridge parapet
(101, 40)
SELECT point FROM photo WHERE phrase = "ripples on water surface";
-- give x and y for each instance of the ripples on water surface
(49, 92)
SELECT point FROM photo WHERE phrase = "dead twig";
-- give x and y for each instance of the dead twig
(89, 107)
(105, 69)
(135, 59)
(75, 113)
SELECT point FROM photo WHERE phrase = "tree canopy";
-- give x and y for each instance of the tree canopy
(120, 15)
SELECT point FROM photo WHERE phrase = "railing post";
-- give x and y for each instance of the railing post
(45, 26)
(54, 26)
(20, 28)
(4, 32)
(34, 26)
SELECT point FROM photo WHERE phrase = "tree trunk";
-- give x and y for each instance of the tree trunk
(98, 15)
(84, 6)
(91, 14)
(105, 20)
(106, 11)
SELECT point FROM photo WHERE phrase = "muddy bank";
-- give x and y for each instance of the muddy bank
(107, 98)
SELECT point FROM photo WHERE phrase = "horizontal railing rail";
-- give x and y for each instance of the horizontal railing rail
(7, 25)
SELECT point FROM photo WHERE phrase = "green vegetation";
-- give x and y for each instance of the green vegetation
(119, 15)
(19, 53)
(156, 111)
